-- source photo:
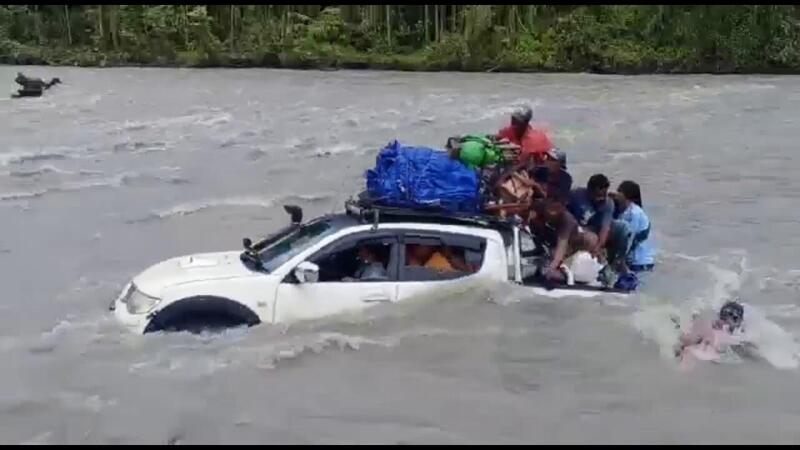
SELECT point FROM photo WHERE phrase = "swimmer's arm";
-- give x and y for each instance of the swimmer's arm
(687, 339)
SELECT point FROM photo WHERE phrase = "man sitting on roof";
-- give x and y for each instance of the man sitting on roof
(533, 142)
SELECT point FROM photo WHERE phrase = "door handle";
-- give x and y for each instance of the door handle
(378, 298)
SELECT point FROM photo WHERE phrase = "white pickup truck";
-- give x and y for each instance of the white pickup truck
(307, 270)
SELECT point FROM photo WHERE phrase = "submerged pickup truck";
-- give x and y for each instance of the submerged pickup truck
(310, 270)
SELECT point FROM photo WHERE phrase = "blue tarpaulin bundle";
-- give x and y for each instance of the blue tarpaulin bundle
(420, 177)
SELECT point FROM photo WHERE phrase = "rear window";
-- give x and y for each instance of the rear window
(441, 257)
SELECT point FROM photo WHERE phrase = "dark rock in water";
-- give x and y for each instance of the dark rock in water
(28, 93)
(33, 87)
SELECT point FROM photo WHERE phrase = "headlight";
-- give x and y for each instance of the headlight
(137, 302)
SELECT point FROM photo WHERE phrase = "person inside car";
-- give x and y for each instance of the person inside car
(371, 267)
(440, 259)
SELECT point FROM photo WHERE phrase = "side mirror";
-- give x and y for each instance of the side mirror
(307, 272)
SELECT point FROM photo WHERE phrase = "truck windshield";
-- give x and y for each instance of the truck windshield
(293, 243)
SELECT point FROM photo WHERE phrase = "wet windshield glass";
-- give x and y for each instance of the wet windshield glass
(293, 243)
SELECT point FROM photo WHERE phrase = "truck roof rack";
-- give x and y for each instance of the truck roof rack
(369, 211)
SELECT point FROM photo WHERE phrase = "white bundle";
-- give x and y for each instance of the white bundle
(583, 267)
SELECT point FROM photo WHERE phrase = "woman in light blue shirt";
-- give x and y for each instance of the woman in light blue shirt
(641, 254)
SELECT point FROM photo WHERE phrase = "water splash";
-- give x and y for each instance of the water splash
(663, 322)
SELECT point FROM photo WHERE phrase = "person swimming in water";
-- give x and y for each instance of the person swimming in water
(712, 334)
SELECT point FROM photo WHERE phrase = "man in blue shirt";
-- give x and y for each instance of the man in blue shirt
(594, 209)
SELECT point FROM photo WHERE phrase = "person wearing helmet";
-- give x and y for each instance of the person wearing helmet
(730, 318)
(533, 142)
(711, 333)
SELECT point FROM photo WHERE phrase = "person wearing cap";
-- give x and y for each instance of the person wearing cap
(533, 142)
(553, 174)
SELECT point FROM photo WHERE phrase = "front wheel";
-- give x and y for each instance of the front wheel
(199, 314)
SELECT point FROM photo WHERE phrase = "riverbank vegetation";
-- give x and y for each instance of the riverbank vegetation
(597, 38)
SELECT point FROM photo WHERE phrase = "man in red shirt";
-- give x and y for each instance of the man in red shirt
(533, 142)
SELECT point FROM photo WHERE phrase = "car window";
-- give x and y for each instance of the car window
(441, 257)
(358, 259)
(295, 242)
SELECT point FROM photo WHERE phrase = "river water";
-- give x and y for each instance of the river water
(116, 169)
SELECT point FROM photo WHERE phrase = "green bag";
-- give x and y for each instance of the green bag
(478, 151)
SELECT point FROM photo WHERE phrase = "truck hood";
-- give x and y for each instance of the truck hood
(191, 268)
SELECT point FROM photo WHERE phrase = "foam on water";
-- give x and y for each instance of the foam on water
(116, 181)
(627, 155)
(335, 149)
(204, 119)
(773, 343)
(43, 170)
(19, 157)
(656, 321)
(193, 207)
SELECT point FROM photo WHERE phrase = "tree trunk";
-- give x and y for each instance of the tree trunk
(185, 27)
(427, 26)
(113, 25)
(69, 26)
(530, 17)
(282, 21)
(101, 28)
(230, 33)
(37, 24)
(443, 18)
(436, 31)
(389, 25)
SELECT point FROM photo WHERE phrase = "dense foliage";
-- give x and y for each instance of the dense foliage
(602, 38)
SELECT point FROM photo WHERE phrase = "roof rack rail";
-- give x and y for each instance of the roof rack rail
(369, 211)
